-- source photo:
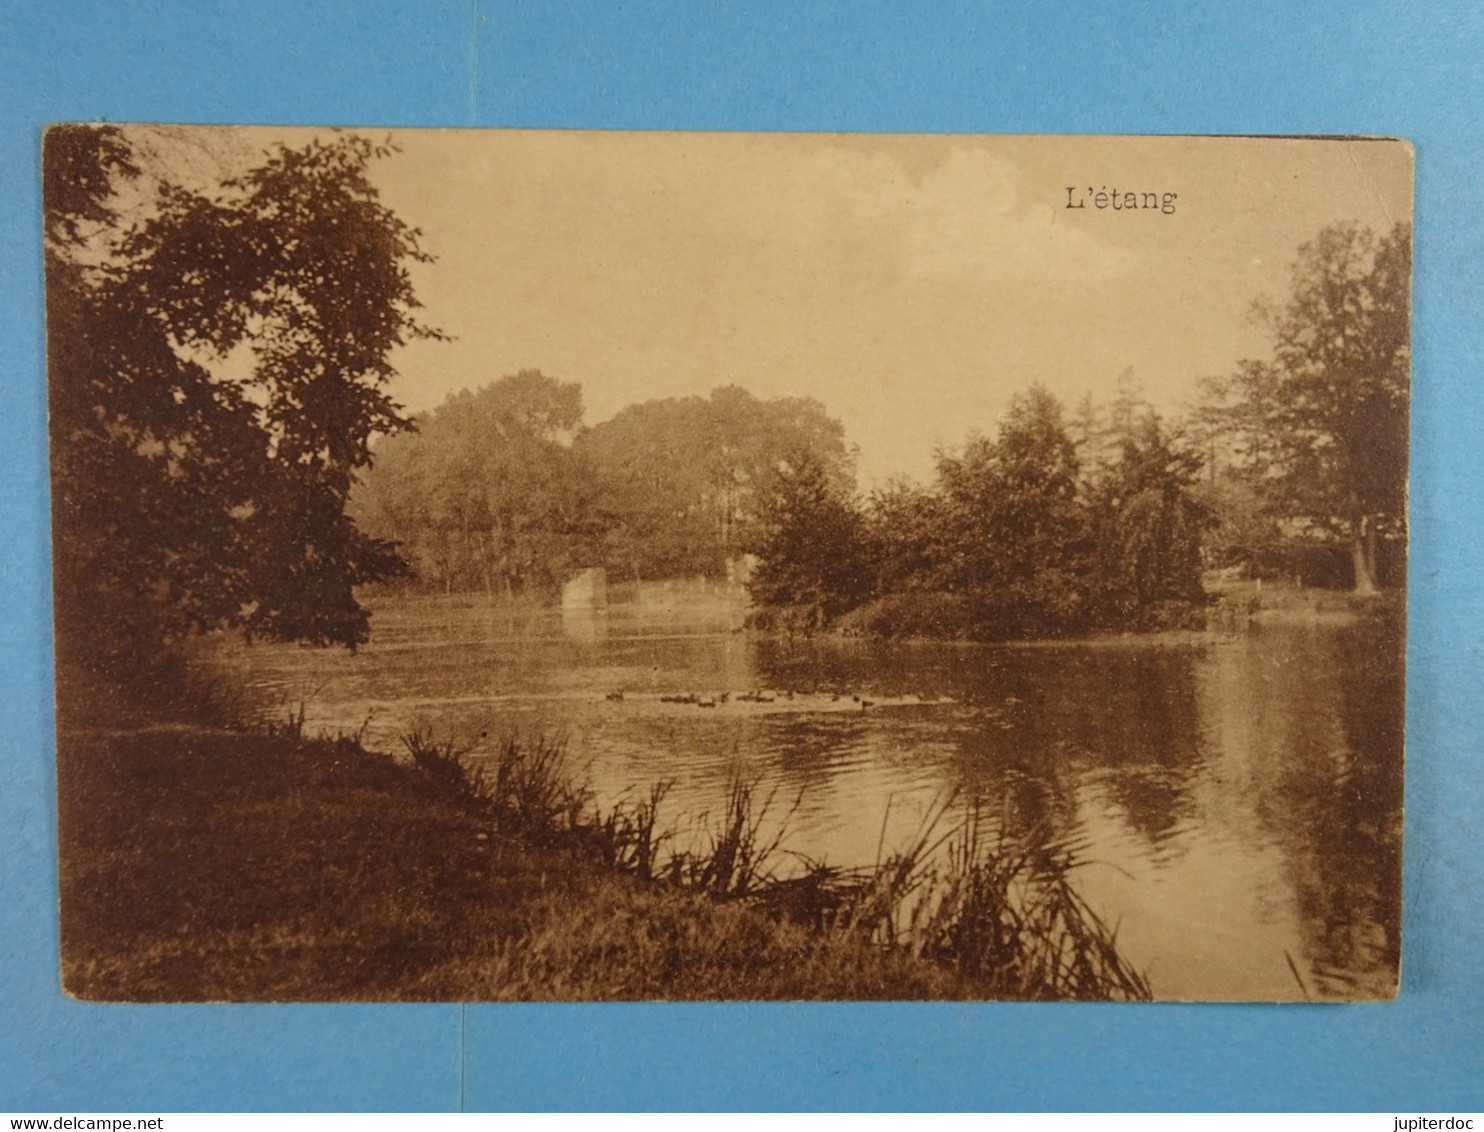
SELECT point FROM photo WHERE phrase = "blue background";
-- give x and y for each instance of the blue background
(1410, 69)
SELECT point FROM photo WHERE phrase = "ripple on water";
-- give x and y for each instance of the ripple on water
(1236, 806)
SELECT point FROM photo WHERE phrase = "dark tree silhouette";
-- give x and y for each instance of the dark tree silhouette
(217, 369)
(812, 560)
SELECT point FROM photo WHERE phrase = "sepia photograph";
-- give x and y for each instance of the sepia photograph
(501, 565)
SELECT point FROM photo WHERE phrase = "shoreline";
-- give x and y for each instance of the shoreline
(210, 864)
(1231, 609)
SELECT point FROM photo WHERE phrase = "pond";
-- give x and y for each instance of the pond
(1236, 798)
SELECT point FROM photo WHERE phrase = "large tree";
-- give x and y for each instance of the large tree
(813, 563)
(683, 478)
(1146, 522)
(1321, 425)
(488, 492)
(217, 368)
(1015, 529)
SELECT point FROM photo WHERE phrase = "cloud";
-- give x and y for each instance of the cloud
(961, 217)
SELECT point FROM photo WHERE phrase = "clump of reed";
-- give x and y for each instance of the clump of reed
(999, 909)
(628, 837)
(533, 793)
(735, 861)
(444, 763)
(525, 788)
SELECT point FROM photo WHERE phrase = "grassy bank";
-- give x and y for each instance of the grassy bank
(1229, 605)
(211, 864)
(929, 615)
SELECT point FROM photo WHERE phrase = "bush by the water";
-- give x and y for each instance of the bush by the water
(939, 616)
(1017, 538)
(921, 615)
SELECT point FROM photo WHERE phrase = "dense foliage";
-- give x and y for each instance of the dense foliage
(1314, 438)
(1057, 526)
(1015, 528)
(217, 367)
(813, 562)
(1017, 536)
(503, 489)
(681, 478)
(1146, 523)
(487, 494)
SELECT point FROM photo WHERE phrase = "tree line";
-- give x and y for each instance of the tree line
(503, 490)
(225, 452)
(1033, 532)
(1294, 466)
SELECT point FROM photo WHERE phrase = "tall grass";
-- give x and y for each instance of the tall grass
(628, 838)
(526, 788)
(1002, 910)
(444, 764)
(999, 909)
(737, 860)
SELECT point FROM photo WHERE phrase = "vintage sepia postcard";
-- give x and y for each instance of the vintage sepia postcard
(521, 565)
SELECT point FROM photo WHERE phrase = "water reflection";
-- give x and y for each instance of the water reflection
(584, 624)
(1238, 800)
(1312, 731)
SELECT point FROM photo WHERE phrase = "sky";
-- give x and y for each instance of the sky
(911, 283)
